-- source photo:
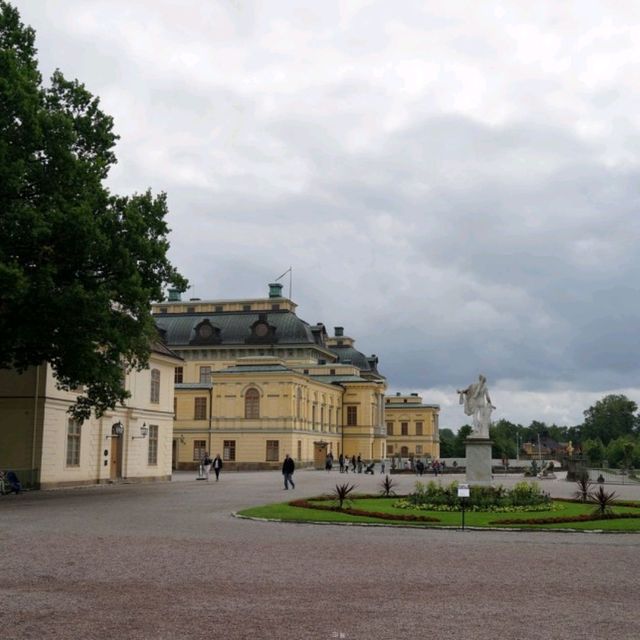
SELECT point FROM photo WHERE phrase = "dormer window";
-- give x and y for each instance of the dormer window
(206, 333)
(262, 331)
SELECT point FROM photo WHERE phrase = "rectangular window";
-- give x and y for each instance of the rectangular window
(229, 450)
(155, 386)
(299, 449)
(352, 416)
(175, 408)
(389, 449)
(419, 428)
(178, 375)
(419, 449)
(219, 308)
(199, 447)
(389, 428)
(205, 375)
(200, 409)
(273, 450)
(404, 428)
(73, 443)
(153, 444)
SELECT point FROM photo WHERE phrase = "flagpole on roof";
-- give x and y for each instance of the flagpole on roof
(290, 272)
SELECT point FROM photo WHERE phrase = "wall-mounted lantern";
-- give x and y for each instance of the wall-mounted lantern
(144, 432)
(117, 430)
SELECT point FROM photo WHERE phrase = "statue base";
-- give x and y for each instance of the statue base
(478, 454)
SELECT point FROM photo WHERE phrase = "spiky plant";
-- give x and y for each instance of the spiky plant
(583, 485)
(603, 500)
(387, 486)
(341, 493)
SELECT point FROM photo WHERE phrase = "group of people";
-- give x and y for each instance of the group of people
(208, 463)
(288, 467)
(436, 467)
(355, 463)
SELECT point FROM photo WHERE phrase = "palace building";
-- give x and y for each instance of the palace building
(258, 382)
(46, 447)
(412, 427)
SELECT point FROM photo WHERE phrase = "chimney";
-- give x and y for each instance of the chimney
(338, 331)
(174, 295)
(275, 290)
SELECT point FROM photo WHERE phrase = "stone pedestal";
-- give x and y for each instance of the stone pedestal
(478, 453)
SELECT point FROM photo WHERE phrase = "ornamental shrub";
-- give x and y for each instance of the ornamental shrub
(523, 494)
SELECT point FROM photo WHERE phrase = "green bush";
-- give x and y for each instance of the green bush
(523, 494)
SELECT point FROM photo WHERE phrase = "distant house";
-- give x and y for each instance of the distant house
(547, 447)
(412, 427)
(48, 448)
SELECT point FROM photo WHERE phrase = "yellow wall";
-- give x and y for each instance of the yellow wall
(281, 417)
(396, 413)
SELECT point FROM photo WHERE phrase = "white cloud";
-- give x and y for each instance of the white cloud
(455, 183)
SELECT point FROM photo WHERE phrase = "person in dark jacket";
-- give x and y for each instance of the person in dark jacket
(217, 466)
(15, 486)
(288, 467)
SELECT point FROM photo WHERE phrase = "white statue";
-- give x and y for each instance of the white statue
(477, 403)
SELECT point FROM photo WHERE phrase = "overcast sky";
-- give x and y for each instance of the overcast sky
(455, 183)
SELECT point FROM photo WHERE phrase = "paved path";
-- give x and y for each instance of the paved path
(168, 561)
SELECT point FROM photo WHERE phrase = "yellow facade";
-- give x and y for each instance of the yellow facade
(257, 383)
(40, 441)
(294, 412)
(412, 427)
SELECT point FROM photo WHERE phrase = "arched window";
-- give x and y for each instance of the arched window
(252, 404)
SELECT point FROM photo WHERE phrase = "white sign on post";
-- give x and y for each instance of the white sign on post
(463, 491)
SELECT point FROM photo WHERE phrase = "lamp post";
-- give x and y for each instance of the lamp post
(539, 450)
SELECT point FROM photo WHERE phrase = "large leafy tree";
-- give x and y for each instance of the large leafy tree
(505, 436)
(78, 265)
(610, 418)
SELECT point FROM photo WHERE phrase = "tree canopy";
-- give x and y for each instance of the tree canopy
(79, 265)
(610, 418)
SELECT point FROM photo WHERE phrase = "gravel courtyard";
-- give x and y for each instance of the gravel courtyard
(168, 560)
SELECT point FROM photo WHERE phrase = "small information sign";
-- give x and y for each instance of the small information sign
(463, 491)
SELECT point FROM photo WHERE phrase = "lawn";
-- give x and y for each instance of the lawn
(286, 512)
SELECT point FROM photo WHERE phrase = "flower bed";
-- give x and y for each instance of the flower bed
(402, 517)
(445, 508)
(587, 517)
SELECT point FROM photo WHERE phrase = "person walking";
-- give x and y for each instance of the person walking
(288, 467)
(206, 465)
(217, 466)
(341, 463)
